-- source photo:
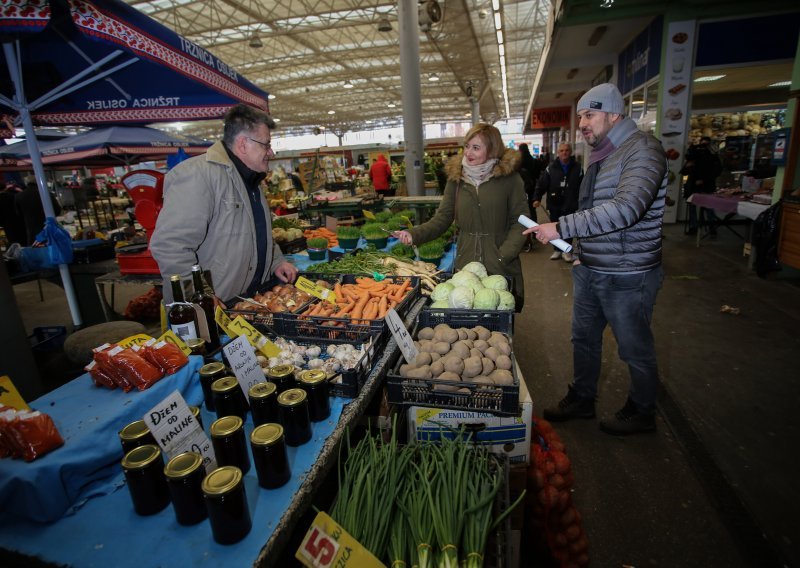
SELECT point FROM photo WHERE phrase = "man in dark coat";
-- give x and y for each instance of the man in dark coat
(561, 182)
(11, 221)
(702, 168)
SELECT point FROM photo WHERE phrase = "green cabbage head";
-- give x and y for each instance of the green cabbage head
(495, 282)
(461, 298)
(442, 291)
(486, 299)
(506, 300)
(476, 268)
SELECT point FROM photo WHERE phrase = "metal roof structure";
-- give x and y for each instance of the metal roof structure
(336, 63)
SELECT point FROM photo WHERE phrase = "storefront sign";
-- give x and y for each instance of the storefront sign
(676, 94)
(557, 117)
(639, 61)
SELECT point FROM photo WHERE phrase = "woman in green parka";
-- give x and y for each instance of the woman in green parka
(484, 196)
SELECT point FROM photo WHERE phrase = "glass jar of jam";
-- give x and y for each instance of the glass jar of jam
(196, 413)
(269, 456)
(282, 376)
(263, 403)
(293, 407)
(230, 446)
(315, 383)
(226, 503)
(197, 345)
(228, 398)
(209, 373)
(185, 474)
(144, 474)
(134, 435)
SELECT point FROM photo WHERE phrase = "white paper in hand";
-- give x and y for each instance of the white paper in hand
(560, 243)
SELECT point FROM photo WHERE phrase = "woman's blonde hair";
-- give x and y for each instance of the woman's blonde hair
(490, 136)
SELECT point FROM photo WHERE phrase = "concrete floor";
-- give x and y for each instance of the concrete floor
(715, 485)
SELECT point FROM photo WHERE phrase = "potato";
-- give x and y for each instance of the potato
(426, 345)
(471, 334)
(435, 357)
(448, 376)
(462, 333)
(481, 345)
(483, 333)
(488, 366)
(503, 362)
(502, 377)
(482, 380)
(504, 348)
(425, 333)
(405, 368)
(454, 364)
(417, 345)
(464, 390)
(437, 368)
(472, 367)
(441, 347)
(445, 388)
(441, 326)
(423, 358)
(497, 335)
(420, 373)
(476, 353)
(460, 350)
(448, 335)
(492, 353)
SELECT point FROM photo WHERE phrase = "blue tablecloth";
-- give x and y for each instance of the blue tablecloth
(88, 418)
(106, 532)
(302, 262)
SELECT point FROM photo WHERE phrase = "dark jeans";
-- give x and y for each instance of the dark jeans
(624, 301)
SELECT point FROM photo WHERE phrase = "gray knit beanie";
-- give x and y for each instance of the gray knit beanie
(605, 98)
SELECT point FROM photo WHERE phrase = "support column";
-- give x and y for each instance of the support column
(476, 110)
(408, 21)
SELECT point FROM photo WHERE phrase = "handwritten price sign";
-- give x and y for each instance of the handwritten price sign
(327, 544)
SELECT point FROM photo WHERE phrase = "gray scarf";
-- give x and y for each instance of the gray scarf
(476, 175)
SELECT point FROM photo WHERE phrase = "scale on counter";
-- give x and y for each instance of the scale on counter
(146, 189)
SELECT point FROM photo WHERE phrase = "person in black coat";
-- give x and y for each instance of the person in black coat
(29, 206)
(702, 168)
(530, 168)
(561, 181)
(12, 222)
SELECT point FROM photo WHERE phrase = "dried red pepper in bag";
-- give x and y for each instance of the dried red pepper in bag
(166, 356)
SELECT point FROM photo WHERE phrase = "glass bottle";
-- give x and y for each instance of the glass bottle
(181, 316)
(205, 301)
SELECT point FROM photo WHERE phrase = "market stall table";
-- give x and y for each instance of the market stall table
(729, 206)
(101, 532)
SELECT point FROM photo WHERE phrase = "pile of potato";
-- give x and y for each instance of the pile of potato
(471, 355)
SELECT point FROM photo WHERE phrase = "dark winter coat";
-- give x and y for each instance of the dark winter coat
(562, 199)
(486, 218)
(621, 209)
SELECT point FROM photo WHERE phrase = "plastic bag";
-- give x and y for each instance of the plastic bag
(105, 367)
(59, 243)
(100, 376)
(35, 434)
(166, 356)
(130, 365)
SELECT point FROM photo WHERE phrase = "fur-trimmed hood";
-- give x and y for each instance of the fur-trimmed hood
(508, 164)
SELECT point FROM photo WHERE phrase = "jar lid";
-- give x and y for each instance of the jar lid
(212, 368)
(195, 342)
(312, 376)
(195, 411)
(225, 384)
(262, 390)
(266, 434)
(141, 457)
(292, 397)
(134, 431)
(222, 480)
(280, 371)
(183, 465)
(225, 426)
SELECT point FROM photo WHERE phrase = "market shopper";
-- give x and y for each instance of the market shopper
(618, 271)
(215, 213)
(560, 182)
(529, 169)
(380, 174)
(702, 167)
(484, 196)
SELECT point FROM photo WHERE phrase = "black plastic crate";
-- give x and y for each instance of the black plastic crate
(49, 338)
(293, 246)
(351, 379)
(493, 320)
(260, 319)
(295, 325)
(497, 399)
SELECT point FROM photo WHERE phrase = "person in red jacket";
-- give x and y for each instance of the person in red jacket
(380, 173)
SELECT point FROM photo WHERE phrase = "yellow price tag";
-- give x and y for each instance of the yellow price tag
(138, 339)
(239, 326)
(369, 215)
(170, 337)
(309, 287)
(222, 319)
(9, 395)
(163, 313)
(327, 544)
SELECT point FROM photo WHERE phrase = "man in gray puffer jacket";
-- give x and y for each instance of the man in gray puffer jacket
(618, 272)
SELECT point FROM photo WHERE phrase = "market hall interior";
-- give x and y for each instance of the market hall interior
(720, 471)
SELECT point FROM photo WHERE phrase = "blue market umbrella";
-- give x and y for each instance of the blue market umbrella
(101, 62)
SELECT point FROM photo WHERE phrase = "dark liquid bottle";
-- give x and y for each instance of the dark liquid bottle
(205, 301)
(181, 316)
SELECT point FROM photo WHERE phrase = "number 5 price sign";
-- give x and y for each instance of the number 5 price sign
(327, 544)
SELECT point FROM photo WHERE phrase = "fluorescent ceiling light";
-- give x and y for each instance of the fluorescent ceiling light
(276, 120)
(271, 96)
(709, 78)
(433, 77)
(502, 50)
(348, 84)
(782, 84)
(497, 23)
(495, 5)
(391, 105)
(331, 112)
(500, 37)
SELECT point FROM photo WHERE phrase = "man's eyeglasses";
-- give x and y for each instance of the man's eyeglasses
(266, 145)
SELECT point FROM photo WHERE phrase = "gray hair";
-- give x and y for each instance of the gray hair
(242, 119)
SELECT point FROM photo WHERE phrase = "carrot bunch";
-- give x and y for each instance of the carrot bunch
(322, 233)
(365, 300)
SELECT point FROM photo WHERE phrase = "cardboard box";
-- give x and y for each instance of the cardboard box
(504, 435)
